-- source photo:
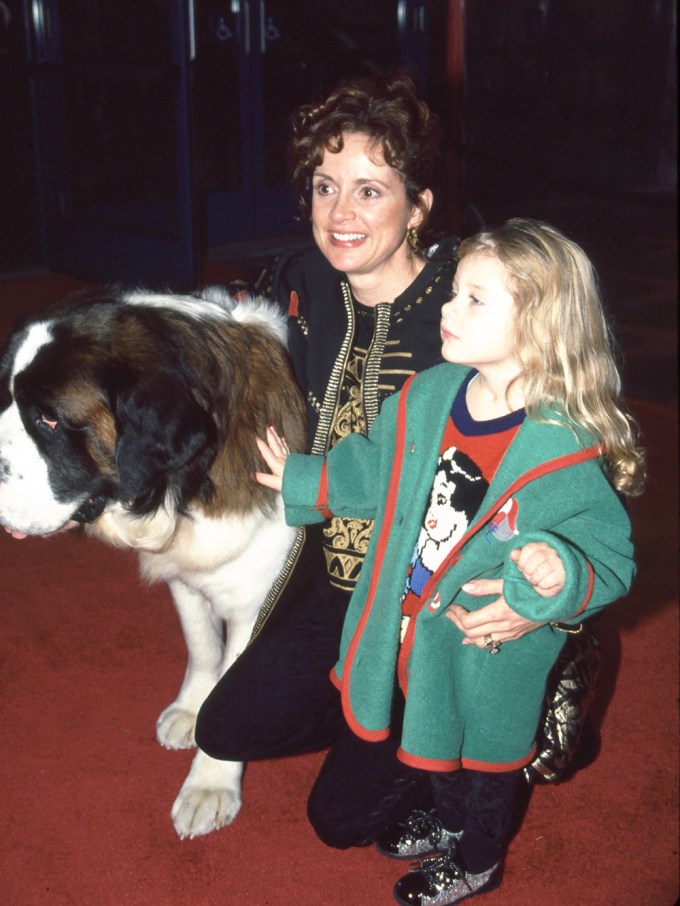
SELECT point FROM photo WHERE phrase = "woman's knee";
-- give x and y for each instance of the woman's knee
(215, 734)
(235, 726)
(331, 828)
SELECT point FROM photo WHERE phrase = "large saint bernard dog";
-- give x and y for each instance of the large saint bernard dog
(135, 414)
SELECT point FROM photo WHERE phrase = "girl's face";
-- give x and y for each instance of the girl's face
(478, 323)
(360, 212)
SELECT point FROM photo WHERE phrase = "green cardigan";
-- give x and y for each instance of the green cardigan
(463, 706)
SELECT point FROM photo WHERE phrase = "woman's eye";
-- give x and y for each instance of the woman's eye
(475, 301)
(369, 192)
(322, 188)
(50, 422)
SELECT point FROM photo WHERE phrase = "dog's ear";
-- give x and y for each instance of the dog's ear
(160, 430)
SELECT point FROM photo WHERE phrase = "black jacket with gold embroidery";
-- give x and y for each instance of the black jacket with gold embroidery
(322, 325)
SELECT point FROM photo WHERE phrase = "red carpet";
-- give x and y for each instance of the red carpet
(89, 657)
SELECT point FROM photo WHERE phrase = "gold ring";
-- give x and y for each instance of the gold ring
(491, 646)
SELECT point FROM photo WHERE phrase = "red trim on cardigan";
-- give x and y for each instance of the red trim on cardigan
(380, 550)
(406, 644)
(322, 494)
(428, 764)
(498, 768)
(353, 724)
(363, 733)
(589, 591)
(455, 764)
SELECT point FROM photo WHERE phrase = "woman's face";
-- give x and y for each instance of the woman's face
(360, 212)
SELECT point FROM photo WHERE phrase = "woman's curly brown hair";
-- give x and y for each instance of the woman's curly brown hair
(388, 110)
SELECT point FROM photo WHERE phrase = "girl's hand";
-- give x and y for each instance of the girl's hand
(541, 567)
(496, 620)
(274, 450)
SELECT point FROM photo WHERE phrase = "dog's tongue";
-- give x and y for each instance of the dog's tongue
(18, 535)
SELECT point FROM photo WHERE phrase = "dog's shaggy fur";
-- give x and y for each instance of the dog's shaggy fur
(136, 415)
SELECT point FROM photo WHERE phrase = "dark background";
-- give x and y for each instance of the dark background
(552, 108)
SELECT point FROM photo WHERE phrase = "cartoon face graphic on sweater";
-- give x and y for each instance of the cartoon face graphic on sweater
(457, 492)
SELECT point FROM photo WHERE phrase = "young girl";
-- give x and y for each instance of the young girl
(508, 468)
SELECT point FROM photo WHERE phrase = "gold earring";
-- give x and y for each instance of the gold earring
(412, 239)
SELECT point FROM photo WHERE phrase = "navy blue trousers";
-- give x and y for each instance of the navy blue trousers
(277, 698)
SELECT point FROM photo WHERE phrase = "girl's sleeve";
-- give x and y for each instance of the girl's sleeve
(596, 551)
(345, 482)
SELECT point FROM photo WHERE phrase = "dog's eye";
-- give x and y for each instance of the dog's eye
(50, 422)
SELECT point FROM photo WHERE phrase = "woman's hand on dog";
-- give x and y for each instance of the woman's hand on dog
(274, 450)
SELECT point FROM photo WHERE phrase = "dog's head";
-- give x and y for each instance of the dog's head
(107, 404)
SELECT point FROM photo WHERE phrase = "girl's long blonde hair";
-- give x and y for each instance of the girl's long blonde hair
(564, 343)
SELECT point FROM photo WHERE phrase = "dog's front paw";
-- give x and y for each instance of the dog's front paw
(175, 728)
(210, 797)
(201, 811)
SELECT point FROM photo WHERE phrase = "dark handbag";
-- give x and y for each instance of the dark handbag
(570, 691)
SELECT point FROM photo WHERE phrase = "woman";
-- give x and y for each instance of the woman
(364, 309)
(363, 315)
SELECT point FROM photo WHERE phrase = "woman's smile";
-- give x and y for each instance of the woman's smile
(347, 238)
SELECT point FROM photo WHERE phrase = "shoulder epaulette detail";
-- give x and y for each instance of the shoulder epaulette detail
(294, 305)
